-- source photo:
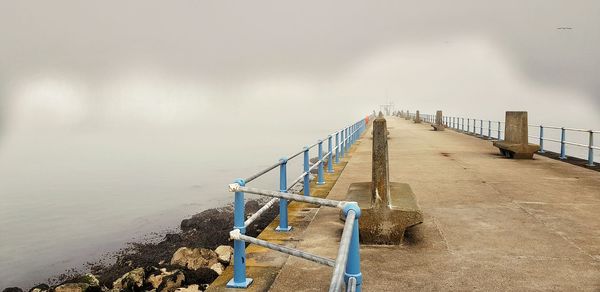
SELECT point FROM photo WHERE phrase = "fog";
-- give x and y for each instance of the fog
(120, 118)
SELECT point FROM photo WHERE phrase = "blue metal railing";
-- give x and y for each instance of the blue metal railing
(458, 124)
(347, 264)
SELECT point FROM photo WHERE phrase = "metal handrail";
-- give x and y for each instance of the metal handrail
(458, 123)
(343, 141)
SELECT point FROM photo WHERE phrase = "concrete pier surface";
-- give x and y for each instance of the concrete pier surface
(490, 223)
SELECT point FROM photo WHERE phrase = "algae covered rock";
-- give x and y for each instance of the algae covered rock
(132, 281)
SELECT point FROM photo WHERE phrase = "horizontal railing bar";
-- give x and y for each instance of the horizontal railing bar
(576, 144)
(237, 235)
(258, 174)
(296, 154)
(552, 140)
(342, 256)
(293, 197)
(297, 180)
(260, 211)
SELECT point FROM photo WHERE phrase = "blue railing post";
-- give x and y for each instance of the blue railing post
(468, 126)
(542, 139)
(330, 158)
(320, 174)
(489, 130)
(591, 150)
(498, 131)
(239, 247)
(353, 263)
(283, 203)
(337, 148)
(563, 150)
(481, 128)
(307, 172)
(341, 143)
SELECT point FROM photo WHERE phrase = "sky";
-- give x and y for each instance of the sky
(73, 65)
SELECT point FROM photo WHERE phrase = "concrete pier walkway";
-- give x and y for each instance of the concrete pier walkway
(490, 223)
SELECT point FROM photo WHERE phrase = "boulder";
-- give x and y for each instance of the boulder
(225, 252)
(134, 280)
(218, 268)
(155, 279)
(72, 287)
(194, 258)
(200, 276)
(171, 282)
(12, 289)
(40, 288)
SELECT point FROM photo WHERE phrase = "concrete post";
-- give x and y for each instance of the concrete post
(417, 118)
(516, 140)
(380, 168)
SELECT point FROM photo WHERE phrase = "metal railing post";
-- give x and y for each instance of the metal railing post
(489, 130)
(330, 158)
(563, 149)
(337, 148)
(468, 126)
(353, 263)
(481, 128)
(591, 150)
(321, 178)
(542, 139)
(283, 203)
(239, 247)
(341, 143)
(307, 172)
(498, 131)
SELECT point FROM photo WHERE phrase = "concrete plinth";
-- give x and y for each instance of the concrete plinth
(385, 224)
(516, 141)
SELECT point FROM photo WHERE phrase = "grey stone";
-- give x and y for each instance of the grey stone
(225, 252)
(133, 280)
(516, 141)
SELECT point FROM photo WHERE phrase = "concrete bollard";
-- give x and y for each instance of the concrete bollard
(387, 208)
(516, 140)
(439, 124)
(417, 118)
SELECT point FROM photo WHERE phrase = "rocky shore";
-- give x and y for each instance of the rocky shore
(189, 260)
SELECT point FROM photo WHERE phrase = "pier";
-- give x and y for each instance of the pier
(489, 223)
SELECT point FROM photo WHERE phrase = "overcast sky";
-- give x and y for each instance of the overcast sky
(88, 64)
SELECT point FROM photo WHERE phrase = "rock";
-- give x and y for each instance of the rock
(12, 289)
(190, 288)
(252, 206)
(40, 288)
(171, 282)
(218, 268)
(134, 280)
(72, 287)
(200, 276)
(156, 278)
(87, 279)
(194, 258)
(225, 252)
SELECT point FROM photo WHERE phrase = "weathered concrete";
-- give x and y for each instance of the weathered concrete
(417, 118)
(439, 124)
(491, 224)
(386, 211)
(515, 144)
